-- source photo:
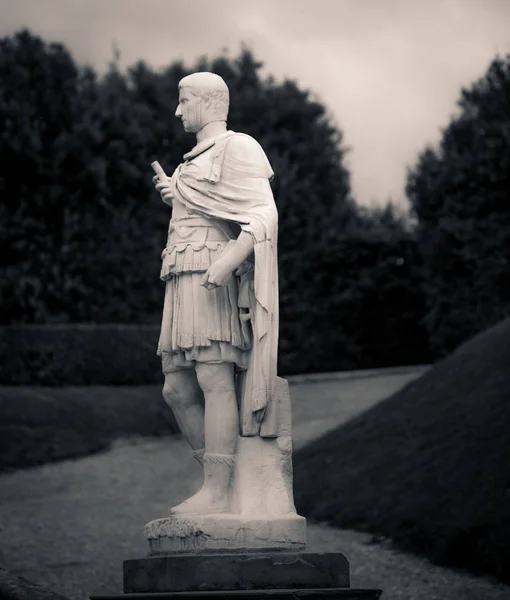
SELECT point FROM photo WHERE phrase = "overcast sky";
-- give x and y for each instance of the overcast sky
(389, 71)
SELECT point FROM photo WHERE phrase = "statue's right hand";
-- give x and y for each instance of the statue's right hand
(163, 188)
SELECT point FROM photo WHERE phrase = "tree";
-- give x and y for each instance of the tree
(460, 195)
(362, 305)
(38, 109)
(74, 181)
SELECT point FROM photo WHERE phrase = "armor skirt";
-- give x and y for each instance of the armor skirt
(200, 325)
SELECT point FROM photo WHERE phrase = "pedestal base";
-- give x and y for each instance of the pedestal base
(318, 594)
(225, 533)
(235, 572)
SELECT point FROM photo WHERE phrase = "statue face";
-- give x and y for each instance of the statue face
(191, 110)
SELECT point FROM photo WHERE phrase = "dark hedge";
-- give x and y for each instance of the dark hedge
(428, 467)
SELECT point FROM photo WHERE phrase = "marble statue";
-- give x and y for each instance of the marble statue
(219, 335)
(218, 347)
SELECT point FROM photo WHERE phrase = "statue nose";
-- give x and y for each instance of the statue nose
(178, 112)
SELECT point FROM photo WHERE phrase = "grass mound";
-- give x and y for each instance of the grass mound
(429, 467)
(42, 425)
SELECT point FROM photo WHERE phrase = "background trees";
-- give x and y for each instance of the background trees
(460, 194)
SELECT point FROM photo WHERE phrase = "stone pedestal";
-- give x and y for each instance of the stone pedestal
(309, 594)
(225, 533)
(231, 572)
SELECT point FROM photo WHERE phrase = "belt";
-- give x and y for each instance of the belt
(197, 228)
(195, 221)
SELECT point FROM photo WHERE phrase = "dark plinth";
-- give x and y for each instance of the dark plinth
(222, 572)
(322, 594)
(278, 575)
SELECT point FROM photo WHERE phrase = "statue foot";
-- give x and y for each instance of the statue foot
(202, 503)
(213, 497)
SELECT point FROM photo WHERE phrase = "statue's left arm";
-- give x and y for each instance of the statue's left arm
(235, 254)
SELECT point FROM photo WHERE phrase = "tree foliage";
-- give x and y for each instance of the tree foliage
(460, 194)
(39, 109)
(362, 303)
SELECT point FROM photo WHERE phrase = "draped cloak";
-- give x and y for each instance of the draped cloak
(234, 188)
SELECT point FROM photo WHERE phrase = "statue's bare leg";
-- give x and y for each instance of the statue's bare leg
(186, 399)
(221, 412)
(221, 435)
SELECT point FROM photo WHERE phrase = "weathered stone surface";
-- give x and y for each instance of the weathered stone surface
(224, 532)
(215, 572)
(263, 517)
(262, 483)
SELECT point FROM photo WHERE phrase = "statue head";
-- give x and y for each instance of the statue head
(203, 98)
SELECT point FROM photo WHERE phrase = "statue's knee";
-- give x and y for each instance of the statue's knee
(175, 390)
(169, 392)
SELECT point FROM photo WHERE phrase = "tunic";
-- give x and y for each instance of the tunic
(199, 325)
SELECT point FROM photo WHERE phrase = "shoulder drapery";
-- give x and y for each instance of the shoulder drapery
(234, 187)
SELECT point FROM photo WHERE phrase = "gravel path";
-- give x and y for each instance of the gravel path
(69, 526)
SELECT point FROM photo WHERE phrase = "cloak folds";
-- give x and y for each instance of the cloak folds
(233, 186)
